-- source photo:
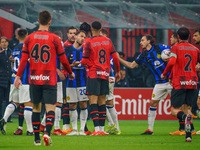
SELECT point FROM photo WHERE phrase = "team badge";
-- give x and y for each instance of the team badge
(68, 98)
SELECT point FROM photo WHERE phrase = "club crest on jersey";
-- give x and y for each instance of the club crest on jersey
(71, 55)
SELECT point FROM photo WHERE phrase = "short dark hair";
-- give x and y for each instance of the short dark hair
(3, 37)
(121, 53)
(77, 33)
(85, 27)
(96, 25)
(183, 33)
(175, 35)
(104, 31)
(197, 30)
(71, 28)
(44, 17)
(22, 33)
(150, 37)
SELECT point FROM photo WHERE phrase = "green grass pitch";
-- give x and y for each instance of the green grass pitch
(129, 139)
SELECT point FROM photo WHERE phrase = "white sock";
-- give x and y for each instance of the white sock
(20, 127)
(73, 118)
(151, 117)
(43, 122)
(28, 117)
(110, 121)
(114, 116)
(83, 118)
(66, 126)
(96, 128)
(101, 128)
(9, 110)
(57, 117)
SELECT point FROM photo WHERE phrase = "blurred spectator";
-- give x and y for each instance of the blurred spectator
(5, 72)
(124, 81)
(14, 41)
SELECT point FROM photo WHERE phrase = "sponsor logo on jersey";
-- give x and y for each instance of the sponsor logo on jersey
(188, 82)
(103, 73)
(39, 77)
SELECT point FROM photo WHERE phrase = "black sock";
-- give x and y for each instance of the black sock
(102, 115)
(49, 121)
(36, 125)
(181, 125)
(21, 115)
(86, 128)
(192, 126)
(181, 115)
(188, 134)
(65, 115)
(94, 114)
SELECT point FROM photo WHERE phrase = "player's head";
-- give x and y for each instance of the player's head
(174, 38)
(22, 33)
(104, 32)
(80, 37)
(45, 18)
(71, 31)
(86, 27)
(59, 33)
(96, 26)
(183, 33)
(146, 40)
(196, 36)
(3, 42)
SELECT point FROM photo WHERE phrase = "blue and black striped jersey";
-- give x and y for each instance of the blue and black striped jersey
(17, 53)
(111, 67)
(153, 60)
(58, 67)
(79, 71)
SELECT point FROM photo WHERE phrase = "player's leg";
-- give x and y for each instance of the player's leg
(20, 120)
(24, 97)
(58, 110)
(43, 123)
(50, 97)
(83, 116)
(36, 93)
(14, 98)
(160, 91)
(198, 111)
(73, 118)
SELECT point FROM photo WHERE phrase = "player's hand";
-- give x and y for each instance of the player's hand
(17, 82)
(117, 76)
(197, 67)
(166, 59)
(163, 77)
(111, 80)
(71, 76)
(75, 63)
(170, 81)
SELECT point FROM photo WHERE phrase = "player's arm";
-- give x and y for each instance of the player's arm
(117, 66)
(23, 62)
(63, 59)
(127, 64)
(60, 74)
(169, 66)
(86, 54)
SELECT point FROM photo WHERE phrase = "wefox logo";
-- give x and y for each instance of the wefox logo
(188, 82)
(103, 73)
(39, 77)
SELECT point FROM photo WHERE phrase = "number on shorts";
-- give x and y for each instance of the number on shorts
(82, 91)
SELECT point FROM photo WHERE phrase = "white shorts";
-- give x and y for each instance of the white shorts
(161, 90)
(75, 95)
(111, 89)
(59, 92)
(19, 96)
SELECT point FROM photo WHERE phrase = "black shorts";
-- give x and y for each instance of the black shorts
(97, 86)
(182, 96)
(43, 93)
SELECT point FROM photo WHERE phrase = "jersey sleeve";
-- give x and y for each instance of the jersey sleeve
(163, 46)
(86, 50)
(139, 59)
(112, 48)
(25, 45)
(198, 55)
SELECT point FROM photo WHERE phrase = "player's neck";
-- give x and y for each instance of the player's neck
(21, 41)
(95, 33)
(76, 45)
(183, 41)
(149, 47)
(43, 28)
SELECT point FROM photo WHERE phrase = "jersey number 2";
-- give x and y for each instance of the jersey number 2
(41, 55)
(186, 68)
